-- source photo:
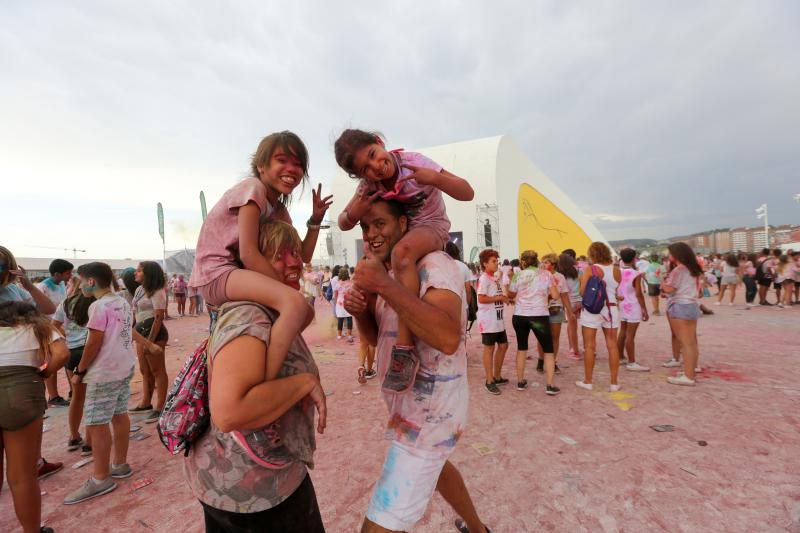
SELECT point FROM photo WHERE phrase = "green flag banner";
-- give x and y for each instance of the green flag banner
(161, 221)
(203, 210)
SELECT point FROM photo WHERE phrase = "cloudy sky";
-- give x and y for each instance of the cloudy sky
(656, 118)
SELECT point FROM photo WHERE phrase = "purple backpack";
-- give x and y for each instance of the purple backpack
(186, 415)
(595, 297)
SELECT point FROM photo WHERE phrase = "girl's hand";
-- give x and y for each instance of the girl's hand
(423, 176)
(645, 315)
(23, 277)
(320, 204)
(360, 204)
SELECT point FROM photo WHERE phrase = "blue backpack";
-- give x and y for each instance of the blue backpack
(595, 297)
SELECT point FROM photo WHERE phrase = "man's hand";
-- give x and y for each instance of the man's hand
(317, 395)
(355, 302)
(370, 274)
(320, 204)
(76, 379)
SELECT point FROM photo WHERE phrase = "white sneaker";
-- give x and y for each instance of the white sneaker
(681, 379)
(731, 304)
(697, 370)
(614, 387)
(636, 367)
(672, 363)
(717, 303)
(586, 386)
(338, 337)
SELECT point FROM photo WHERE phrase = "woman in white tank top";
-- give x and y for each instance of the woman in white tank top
(607, 320)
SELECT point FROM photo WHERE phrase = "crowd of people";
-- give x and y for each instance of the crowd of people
(409, 302)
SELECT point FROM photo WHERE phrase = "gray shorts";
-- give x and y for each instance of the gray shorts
(683, 311)
(105, 400)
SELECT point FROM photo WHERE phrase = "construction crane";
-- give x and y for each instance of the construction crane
(74, 250)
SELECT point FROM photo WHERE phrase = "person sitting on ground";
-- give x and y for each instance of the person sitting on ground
(491, 304)
(268, 488)
(426, 419)
(106, 367)
(31, 350)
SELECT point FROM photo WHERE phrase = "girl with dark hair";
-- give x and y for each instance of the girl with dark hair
(129, 282)
(682, 288)
(70, 318)
(417, 183)
(566, 266)
(149, 307)
(228, 265)
(30, 350)
(343, 318)
(748, 262)
(731, 277)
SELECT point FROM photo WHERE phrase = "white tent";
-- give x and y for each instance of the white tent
(516, 207)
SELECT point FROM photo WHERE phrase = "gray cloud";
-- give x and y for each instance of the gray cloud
(673, 117)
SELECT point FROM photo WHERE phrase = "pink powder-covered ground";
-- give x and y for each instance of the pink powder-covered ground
(581, 461)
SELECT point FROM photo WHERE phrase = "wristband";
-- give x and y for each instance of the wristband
(79, 373)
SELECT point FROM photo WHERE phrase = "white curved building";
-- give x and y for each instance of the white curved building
(516, 207)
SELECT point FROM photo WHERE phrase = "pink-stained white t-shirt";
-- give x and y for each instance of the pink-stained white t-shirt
(629, 305)
(342, 287)
(424, 203)
(112, 315)
(490, 316)
(432, 415)
(563, 288)
(686, 286)
(532, 286)
(218, 245)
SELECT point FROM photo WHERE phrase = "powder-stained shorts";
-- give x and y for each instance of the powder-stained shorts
(407, 483)
(104, 400)
(21, 397)
(608, 318)
(683, 311)
(213, 292)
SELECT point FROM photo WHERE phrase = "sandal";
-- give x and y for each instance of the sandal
(362, 375)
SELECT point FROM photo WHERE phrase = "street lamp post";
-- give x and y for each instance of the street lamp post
(761, 212)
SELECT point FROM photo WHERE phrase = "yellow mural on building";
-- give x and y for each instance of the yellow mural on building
(545, 228)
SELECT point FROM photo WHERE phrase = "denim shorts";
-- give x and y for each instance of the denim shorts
(558, 318)
(683, 311)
